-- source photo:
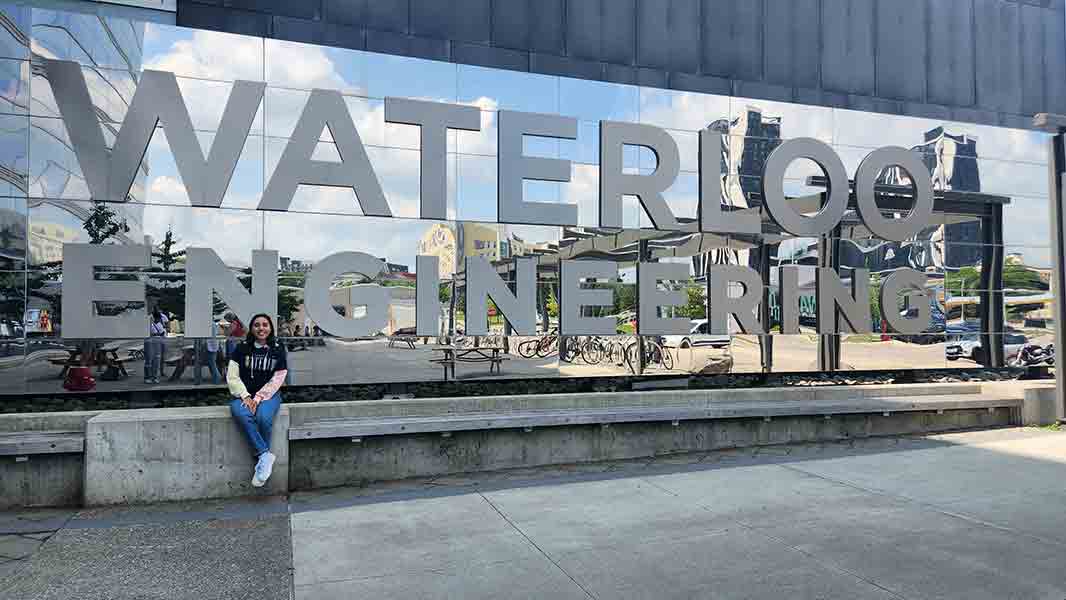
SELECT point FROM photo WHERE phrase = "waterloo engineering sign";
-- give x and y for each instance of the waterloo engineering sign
(733, 291)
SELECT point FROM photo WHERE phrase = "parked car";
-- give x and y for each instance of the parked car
(696, 337)
(969, 346)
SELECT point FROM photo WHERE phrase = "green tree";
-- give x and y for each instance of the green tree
(553, 305)
(104, 223)
(164, 252)
(696, 307)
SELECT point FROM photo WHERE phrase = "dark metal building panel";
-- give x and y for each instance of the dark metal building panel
(618, 42)
(343, 36)
(901, 49)
(732, 35)
(550, 64)
(241, 22)
(347, 12)
(1055, 63)
(388, 15)
(487, 56)
(998, 50)
(1034, 86)
(791, 46)
(304, 9)
(668, 34)
(388, 42)
(460, 20)
(583, 19)
(700, 83)
(536, 25)
(950, 74)
(848, 36)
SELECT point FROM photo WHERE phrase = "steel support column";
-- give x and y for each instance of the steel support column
(1056, 124)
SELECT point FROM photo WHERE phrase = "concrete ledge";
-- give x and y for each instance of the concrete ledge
(336, 462)
(54, 477)
(160, 455)
(1038, 406)
(303, 414)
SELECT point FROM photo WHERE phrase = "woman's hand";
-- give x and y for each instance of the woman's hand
(249, 402)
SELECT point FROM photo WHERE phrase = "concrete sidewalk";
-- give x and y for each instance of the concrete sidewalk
(967, 515)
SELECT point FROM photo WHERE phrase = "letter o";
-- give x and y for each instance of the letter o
(896, 230)
(774, 187)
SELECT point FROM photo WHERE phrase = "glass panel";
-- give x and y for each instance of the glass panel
(15, 36)
(306, 67)
(111, 92)
(14, 86)
(1026, 222)
(14, 137)
(89, 39)
(595, 101)
(203, 54)
(687, 111)
(12, 233)
(865, 352)
(403, 77)
(493, 89)
(13, 321)
(780, 120)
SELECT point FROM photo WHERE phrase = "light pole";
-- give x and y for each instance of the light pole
(1056, 125)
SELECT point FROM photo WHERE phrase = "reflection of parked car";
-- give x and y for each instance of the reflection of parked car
(696, 337)
(969, 346)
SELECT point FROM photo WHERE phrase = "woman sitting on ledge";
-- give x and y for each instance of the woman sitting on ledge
(257, 368)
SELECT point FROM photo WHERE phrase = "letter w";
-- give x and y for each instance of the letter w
(109, 173)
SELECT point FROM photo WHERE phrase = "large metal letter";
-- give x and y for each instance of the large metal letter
(712, 217)
(110, 173)
(513, 168)
(325, 108)
(574, 297)
(375, 298)
(434, 119)
(719, 280)
(427, 295)
(648, 188)
(778, 208)
(897, 230)
(788, 279)
(912, 284)
(81, 291)
(650, 298)
(519, 308)
(206, 275)
(835, 300)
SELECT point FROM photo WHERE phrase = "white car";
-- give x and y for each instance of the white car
(969, 346)
(696, 337)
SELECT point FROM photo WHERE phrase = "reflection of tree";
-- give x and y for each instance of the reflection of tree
(696, 307)
(103, 223)
(10, 303)
(164, 252)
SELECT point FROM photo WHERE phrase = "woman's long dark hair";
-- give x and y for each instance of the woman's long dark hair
(250, 337)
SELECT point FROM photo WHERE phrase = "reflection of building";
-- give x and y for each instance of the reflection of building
(475, 239)
(47, 239)
(289, 265)
(54, 168)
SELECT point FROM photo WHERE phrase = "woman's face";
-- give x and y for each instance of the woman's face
(261, 329)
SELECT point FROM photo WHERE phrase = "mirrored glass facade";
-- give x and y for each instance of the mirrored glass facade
(986, 250)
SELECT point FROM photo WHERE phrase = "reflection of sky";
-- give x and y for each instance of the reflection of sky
(1011, 160)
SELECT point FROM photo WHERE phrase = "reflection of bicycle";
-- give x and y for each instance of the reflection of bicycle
(654, 354)
(540, 347)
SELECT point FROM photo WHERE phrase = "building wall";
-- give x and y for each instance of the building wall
(983, 61)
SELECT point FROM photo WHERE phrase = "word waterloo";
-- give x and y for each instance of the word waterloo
(733, 291)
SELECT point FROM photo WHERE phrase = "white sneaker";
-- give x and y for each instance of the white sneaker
(263, 469)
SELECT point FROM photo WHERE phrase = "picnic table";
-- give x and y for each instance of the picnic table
(472, 354)
(103, 357)
(402, 339)
(186, 358)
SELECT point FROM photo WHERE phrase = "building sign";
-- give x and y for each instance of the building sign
(733, 292)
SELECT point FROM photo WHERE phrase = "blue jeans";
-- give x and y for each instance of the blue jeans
(153, 357)
(211, 358)
(257, 427)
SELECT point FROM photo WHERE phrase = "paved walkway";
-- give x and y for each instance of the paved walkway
(970, 516)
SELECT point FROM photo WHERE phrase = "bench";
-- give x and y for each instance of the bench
(359, 427)
(402, 339)
(24, 444)
(449, 363)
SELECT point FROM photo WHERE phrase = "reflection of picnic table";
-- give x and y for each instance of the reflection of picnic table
(104, 356)
(186, 358)
(473, 354)
(403, 339)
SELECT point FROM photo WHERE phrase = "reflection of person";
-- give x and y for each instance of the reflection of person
(210, 355)
(234, 333)
(153, 347)
(256, 371)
